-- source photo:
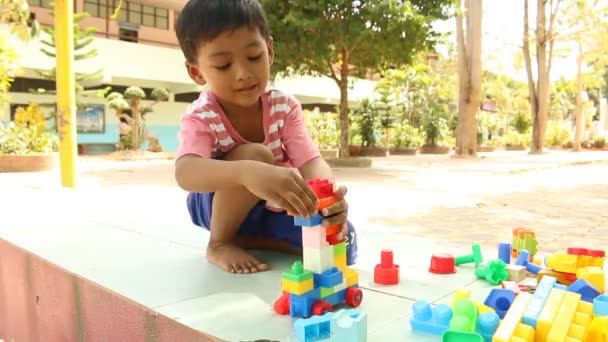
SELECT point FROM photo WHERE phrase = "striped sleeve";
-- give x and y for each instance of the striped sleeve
(297, 142)
(195, 137)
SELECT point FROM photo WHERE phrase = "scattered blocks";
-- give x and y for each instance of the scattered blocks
(313, 328)
(594, 275)
(504, 252)
(386, 273)
(523, 258)
(600, 305)
(523, 238)
(442, 264)
(487, 324)
(464, 318)
(476, 257)
(349, 326)
(516, 273)
(566, 263)
(572, 319)
(513, 286)
(500, 300)
(562, 278)
(432, 320)
(598, 329)
(511, 326)
(586, 290)
(494, 272)
(460, 336)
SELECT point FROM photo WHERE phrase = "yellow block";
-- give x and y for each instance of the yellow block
(564, 317)
(594, 275)
(297, 288)
(563, 263)
(548, 314)
(466, 293)
(352, 277)
(523, 333)
(598, 330)
(325, 291)
(340, 261)
(509, 327)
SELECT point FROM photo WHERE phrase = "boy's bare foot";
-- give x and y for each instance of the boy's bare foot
(234, 259)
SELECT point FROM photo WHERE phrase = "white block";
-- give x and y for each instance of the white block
(318, 260)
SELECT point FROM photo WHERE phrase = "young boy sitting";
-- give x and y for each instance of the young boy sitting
(245, 154)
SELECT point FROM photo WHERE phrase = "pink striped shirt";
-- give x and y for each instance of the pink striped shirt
(206, 131)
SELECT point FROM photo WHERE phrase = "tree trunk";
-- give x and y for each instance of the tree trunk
(540, 119)
(579, 98)
(528, 64)
(344, 113)
(469, 74)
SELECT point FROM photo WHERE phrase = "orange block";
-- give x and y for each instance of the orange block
(326, 202)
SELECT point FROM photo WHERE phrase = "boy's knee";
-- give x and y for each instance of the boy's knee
(257, 152)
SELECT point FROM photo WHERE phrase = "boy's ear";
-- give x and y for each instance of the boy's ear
(195, 73)
(270, 50)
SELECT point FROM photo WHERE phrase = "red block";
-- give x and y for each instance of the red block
(321, 187)
(386, 273)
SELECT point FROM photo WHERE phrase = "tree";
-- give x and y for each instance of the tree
(539, 89)
(342, 39)
(131, 109)
(469, 75)
(83, 37)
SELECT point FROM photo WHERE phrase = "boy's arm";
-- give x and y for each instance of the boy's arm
(316, 168)
(196, 174)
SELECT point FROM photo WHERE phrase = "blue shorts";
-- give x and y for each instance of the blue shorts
(264, 223)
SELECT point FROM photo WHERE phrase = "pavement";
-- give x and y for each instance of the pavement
(126, 228)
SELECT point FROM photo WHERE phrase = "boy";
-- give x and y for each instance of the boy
(241, 142)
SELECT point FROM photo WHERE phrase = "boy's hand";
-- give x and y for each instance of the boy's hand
(337, 213)
(282, 186)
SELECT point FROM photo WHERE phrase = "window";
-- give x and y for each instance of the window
(40, 3)
(128, 35)
(130, 12)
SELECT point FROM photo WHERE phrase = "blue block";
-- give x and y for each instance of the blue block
(330, 278)
(533, 268)
(349, 326)
(504, 252)
(432, 320)
(600, 305)
(301, 305)
(313, 328)
(587, 291)
(537, 303)
(336, 298)
(523, 258)
(309, 222)
(500, 300)
(561, 287)
(487, 323)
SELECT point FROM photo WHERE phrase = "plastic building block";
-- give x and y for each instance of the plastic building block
(538, 301)
(314, 328)
(353, 296)
(326, 202)
(523, 238)
(442, 264)
(562, 278)
(504, 252)
(594, 275)
(325, 291)
(311, 221)
(562, 263)
(297, 273)
(428, 319)
(459, 336)
(587, 291)
(329, 278)
(494, 272)
(561, 287)
(318, 260)
(511, 325)
(598, 329)
(352, 277)
(340, 261)
(516, 273)
(466, 293)
(533, 268)
(334, 240)
(298, 288)
(341, 286)
(500, 300)
(281, 305)
(464, 318)
(572, 319)
(386, 273)
(487, 323)
(321, 187)
(314, 237)
(600, 305)
(523, 258)
(301, 305)
(349, 326)
(340, 249)
(513, 286)
(476, 257)
(548, 314)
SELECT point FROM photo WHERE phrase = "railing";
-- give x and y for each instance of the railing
(136, 39)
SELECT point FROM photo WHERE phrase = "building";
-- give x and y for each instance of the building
(139, 48)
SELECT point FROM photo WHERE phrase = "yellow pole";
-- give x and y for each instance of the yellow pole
(66, 97)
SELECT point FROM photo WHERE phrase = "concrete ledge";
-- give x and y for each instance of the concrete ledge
(349, 162)
(39, 301)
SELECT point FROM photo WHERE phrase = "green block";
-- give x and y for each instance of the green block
(326, 291)
(297, 273)
(464, 318)
(459, 336)
(340, 249)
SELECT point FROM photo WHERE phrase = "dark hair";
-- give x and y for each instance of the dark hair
(203, 20)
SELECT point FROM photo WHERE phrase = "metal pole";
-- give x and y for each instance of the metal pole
(66, 97)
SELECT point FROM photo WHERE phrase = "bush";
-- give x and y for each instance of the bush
(517, 139)
(323, 128)
(523, 122)
(558, 133)
(27, 134)
(405, 135)
(599, 142)
(435, 126)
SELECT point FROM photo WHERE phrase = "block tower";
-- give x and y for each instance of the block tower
(322, 280)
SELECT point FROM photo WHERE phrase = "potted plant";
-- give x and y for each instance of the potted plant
(406, 139)
(323, 129)
(25, 144)
(515, 141)
(435, 127)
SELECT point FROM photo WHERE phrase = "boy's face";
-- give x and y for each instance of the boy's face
(235, 66)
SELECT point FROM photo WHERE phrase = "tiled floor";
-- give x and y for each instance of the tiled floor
(126, 228)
